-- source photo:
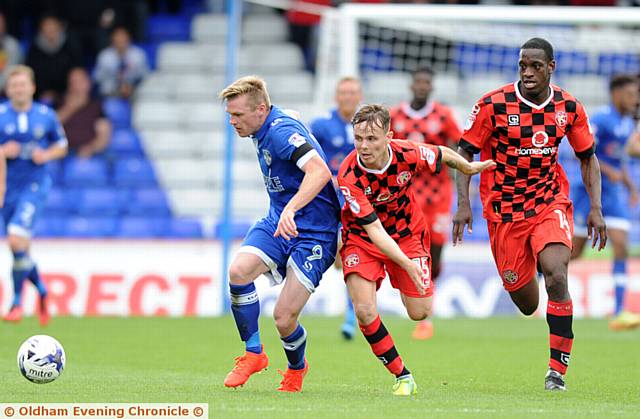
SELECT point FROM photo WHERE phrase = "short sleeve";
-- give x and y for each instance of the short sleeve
(428, 157)
(56, 134)
(580, 134)
(358, 203)
(291, 143)
(478, 128)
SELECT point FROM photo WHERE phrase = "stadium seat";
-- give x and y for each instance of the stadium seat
(142, 227)
(238, 229)
(270, 59)
(79, 226)
(60, 201)
(99, 202)
(202, 116)
(151, 51)
(118, 111)
(185, 173)
(196, 202)
(163, 28)
(156, 87)
(125, 143)
(157, 115)
(48, 226)
(387, 88)
(79, 172)
(296, 87)
(55, 170)
(264, 28)
(180, 57)
(198, 87)
(210, 28)
(148, 202)
(133, 173)
(183, 228)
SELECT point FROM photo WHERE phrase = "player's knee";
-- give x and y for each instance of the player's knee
(527, 308)
(285, 319)
(238, 275)
(17, 243)
(365, 312)
(556, 285)
(419, 313)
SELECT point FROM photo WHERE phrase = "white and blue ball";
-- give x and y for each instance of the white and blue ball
(41, 359)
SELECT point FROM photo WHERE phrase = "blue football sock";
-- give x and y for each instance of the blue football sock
(34, 277)
(350, 315)
(294, 346)
(620, 283)
(245, 307)
(22, 265)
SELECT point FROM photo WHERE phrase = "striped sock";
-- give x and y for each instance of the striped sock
(383, 347)
(560, 318)
(245, 307)
(294, 346)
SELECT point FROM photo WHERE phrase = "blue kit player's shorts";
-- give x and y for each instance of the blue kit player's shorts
(21, 207)
(615, 208)
(309, 254)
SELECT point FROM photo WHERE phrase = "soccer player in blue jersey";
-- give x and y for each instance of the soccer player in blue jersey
(30, 136)
(297, 239)
(613, 125)
(334, 132)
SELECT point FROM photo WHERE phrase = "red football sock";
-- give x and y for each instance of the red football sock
(383, 347)
(560, 318)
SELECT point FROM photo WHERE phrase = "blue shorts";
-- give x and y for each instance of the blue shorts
(615, 208)
(309, 255)
(22, 206)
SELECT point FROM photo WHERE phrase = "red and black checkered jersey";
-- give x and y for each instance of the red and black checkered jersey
(523, 139)
(433, 124)
(386, 194)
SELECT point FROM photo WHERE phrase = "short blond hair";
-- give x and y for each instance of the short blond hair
(21, 69)
(252, 86)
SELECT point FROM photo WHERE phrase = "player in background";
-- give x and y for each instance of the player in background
(384, 231)
(296, 241)
(526, 199)
(633, 145)
(30, 136)
(612, 126)
(429, 121)
(335, 135)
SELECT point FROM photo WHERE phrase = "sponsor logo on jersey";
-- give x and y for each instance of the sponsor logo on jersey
(273, 184)
(296, 140)
(561, 118)
(9, 129)
(475, 110)
(353, 204)
(367, 190)
(383, 196)
(351, 260)
(513, 120)
(510, 276)
(427, 154)
(404, 177)
(546, 151)
(276, 122)
(38, 131)
(540, 139)
(267, 157)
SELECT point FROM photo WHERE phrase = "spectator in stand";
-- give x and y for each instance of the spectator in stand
(87, 128)
(10, 53)
(302, 29)
(51, 56)
(121, 66)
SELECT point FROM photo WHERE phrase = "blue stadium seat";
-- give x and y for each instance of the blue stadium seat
(55, 170)
(238, 229)
(151, 51)
(80, 172)
(59, 202)
(134, 173)
(99, 202)
(48, 226)
(118, 111)
(78, 226)
(148, 201)
(572, 62)
(125, 143)
(613, 63)
(185, 228)
(142, 227)
(162, 28)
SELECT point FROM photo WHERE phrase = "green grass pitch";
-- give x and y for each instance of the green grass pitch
(471, 368)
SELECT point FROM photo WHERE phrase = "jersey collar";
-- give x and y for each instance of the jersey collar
(267, 122)
(374, 171)
(533, 105)
(419, 113)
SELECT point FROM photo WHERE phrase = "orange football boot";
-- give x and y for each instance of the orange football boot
(292, 379)
(423, 330)
(246, 365)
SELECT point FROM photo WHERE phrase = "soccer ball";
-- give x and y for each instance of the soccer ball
(41, 359)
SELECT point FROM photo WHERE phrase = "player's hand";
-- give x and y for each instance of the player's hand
(462, 217)
(11, 149)
(39, 156)
(286, 225)
(476, 167)
(597, 229)
(415, 273)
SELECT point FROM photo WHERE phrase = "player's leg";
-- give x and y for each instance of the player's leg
(578, 246)
(424, 328)
(623, 319)
(254, 258)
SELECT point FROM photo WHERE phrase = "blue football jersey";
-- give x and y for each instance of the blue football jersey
(283, 145)
(612, 131)
(38, 127)
(335, 136)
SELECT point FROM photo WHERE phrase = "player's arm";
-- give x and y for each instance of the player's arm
(463, 165)
(633, 144)
(463, 215)
(596, 228)
(58, 144)
(316, 176)
(631, 187)
(390, 248)
(613, 174)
